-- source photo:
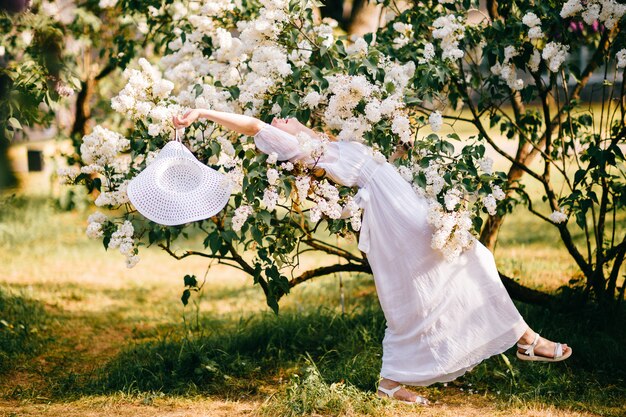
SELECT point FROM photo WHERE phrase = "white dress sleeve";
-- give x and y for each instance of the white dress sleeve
(270, 140)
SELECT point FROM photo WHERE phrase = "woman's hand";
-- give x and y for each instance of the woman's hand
(186, 119)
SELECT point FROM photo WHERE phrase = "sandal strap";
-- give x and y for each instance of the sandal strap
(390, 392)
(558, 350)
(530, 349)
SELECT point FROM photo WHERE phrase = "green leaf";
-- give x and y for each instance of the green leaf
(185, 297)
(190, 281)
(266, 217)
(215, 242)
(15, 124)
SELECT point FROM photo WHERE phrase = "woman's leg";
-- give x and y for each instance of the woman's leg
(544, 347)
(402, 394)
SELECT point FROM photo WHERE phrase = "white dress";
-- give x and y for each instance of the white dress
(443, 318)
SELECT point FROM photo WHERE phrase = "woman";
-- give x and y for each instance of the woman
(442, 317)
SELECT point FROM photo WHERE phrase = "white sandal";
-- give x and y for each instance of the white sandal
(390, 394)
(529, 353)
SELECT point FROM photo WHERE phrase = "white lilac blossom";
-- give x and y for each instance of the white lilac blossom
(303, 183)
(428, 54)
(67, 175)
(607, 12)
(490, 203)
(406, 173)
(452, 230)
(359, 46)
(558, 216)
(506, 70)
(346, 93)
(571, 8)
(450, 30)
(144, 97)
(272, 158)
(325, 32)
(241, 215)
(272, 176)
(485, 164)
(122, 239)
(94, 227)
(434, 180)
(534, 61)
(276, 109)
(312, 147)
(226, 146)
(113, 196)
(301, 55)
(497, 192)
(102, 146)
(621, 58)
(270, 198)
(531, 20)
(554, 53)
(399, 75)
(401, 126)
(312, 99)
(452, 198)
(234, 178)
(287, 166)
(436, 121)
(326, 198)
(535, 33)
(591, 14)
(372, 111)
(404, 32)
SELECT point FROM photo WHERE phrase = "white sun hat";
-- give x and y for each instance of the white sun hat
(176, 188)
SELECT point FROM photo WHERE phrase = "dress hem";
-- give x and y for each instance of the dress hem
(517, 331)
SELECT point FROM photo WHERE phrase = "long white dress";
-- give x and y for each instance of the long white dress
(443, 318)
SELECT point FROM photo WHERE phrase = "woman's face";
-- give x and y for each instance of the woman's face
(289, 125)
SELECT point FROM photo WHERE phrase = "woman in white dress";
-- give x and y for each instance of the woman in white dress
(443, 318)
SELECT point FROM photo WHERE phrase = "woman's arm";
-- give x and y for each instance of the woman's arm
(245, 125)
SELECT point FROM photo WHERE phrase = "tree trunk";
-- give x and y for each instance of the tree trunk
(83, 108)
(489, 233)
(364, 17)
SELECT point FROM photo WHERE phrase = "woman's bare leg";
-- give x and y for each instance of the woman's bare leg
(545, 347)
(402, 394)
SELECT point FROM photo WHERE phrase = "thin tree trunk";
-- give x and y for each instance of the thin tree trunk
(364, 17)
(83, 108)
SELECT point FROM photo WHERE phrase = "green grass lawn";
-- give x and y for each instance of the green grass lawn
(79, 332)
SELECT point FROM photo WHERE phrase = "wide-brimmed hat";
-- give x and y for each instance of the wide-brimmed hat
(176, 188)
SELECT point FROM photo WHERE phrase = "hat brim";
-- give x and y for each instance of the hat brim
(165, 205)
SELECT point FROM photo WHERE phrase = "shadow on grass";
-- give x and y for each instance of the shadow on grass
(23, 329)
(239, 359)
(236, 359)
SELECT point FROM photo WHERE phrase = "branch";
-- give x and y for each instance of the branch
(620, 252)
(515, 289)
(185, 254)
(327, 270)
(481, 128)
(527, 295)
(333, 250)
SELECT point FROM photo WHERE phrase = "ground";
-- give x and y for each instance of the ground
(91, 314)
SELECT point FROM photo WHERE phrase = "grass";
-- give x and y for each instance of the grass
(109, 338)
(23, 329)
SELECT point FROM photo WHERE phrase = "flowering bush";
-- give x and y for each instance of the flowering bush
(384, 89)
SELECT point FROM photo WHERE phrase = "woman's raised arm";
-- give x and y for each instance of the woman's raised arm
(240, 123)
